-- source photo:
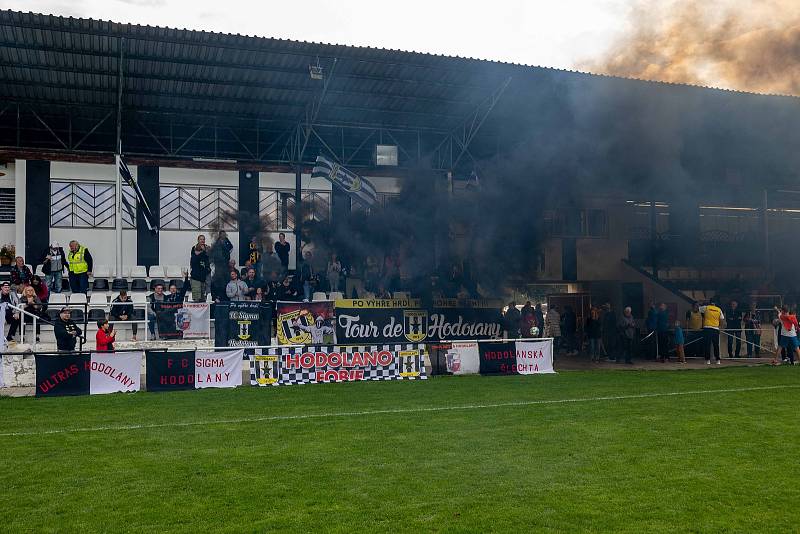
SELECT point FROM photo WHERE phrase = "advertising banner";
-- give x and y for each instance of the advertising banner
(403, 320)
(306, 323)
(169, 371)
(248, 324)
(313, 365)
(516, 357)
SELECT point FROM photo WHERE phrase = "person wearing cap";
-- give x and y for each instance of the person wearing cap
(66, 331)
(10, 298)
(79, 265)
(53, 263)
(122, 310)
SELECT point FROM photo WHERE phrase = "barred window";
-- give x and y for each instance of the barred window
(278, 206)
(384, 200)
(89, 205)
(198, 208)
(7, 206)
(576, 222)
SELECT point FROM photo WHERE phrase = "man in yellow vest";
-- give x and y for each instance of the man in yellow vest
(712, 319)
(79, 263)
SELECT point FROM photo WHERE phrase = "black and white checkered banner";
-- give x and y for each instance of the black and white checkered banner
(313, 365)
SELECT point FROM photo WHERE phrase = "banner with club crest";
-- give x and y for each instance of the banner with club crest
(306, 323)
(315, 365)
(248, 324)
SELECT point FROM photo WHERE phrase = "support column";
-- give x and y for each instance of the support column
(147, 244)
(249, 224)
(298, 215)
(37, 211)
(20, 168)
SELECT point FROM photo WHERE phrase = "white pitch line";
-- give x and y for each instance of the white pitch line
(329, 415)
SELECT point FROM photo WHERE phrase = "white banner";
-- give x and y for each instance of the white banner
(218, 369)
(115, 372)
(463, 358)
(535, 357)
(193, 320)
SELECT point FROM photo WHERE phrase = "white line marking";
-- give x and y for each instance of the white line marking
(393, 411)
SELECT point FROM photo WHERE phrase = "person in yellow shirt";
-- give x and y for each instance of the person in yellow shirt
(694, 331)
(712, 318)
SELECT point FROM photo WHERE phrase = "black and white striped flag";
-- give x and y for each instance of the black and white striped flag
(128, 180)
(354, 185)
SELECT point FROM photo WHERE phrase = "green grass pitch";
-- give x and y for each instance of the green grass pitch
(703, 450)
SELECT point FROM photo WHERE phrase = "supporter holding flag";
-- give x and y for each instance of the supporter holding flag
(789, 328)
(53, 263)
(712, 318)
(79, 264)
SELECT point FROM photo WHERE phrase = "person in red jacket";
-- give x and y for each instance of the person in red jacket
(105, 336)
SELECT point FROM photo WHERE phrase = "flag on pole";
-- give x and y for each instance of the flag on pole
(127, 178)
(354, 185)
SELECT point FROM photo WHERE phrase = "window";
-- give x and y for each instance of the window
(198, 208)
(89, 205)
(7, 206)
(278, 206)
(384, 200)
(576, 222)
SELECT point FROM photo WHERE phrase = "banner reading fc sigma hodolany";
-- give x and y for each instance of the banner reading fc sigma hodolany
(403, 320)
(306, 323)
(314, 365)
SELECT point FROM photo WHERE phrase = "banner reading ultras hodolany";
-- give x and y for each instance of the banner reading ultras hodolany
(313, 365)
(403, 320)
(306, 323)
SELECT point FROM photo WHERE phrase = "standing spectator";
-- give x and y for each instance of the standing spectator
(733, 328)
(334, 272)
(539, 318)
(789, 328)
(354, 282)
(79, 264)
(712, 317)
(41, 290)
(21, 275)
(33, 306)
(254, 252)
(679, 342)
(155, 299)
(609, 339)
(752, 326)
(287, 291)
(594, 332)
(12, 316)
(105, 336)
(200, 265)
(662, 331)
(282, 249)
(66, 331)
(569, 329)
(527, 318)
(371, 273)
(236, 289)
(652, 318)
(694, 327)
(225, 246)
(122, 310)
(627, 333)
(308, 280)
(512, 320)
(53, 262)
(552, 326)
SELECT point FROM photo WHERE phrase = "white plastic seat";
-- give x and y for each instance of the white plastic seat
(174, 271)
(368, 295)
(400, 295)
(319, 295)
(77, 298)
(138, 297)
(335, 295)
(157, 271)
(39, 271)
(101, 271)
(126, 271)
(57, 298)
(138, 271)
(98, 299)
(208, 298)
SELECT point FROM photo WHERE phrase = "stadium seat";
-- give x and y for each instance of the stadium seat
(174, 271)
(101, 271)
(77, 298)
(400, 295)
(98, 299)
(138, 284)
(155, 281)
(319, 295)
(100, 284)
(368, 295)
(138, 314)
(209, 298)
(65, 284)
(157, 271)
(57, 298)
(139, 298)
(335, 295)
(126, 271)
(119, 284)
(178, 282)
(52, 313)
(97, 314)
(77, 314)
(39, 271)
(138, 271)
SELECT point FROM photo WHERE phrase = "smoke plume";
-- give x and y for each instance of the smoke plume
(734, 44)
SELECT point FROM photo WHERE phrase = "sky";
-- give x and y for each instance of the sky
(552, 33)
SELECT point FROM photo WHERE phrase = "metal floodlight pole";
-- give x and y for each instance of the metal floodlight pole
(118, 147)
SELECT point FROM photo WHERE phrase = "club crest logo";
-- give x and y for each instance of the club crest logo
(244, 330)
(266, 370)
(415, 325)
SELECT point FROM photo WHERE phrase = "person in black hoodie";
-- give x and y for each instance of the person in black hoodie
(122, 310)
(66, 331)
(200, 265)
(54, 263)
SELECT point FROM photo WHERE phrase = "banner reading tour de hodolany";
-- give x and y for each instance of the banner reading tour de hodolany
(403, 320)
(306, 323)
(249, 324)
(314, 365)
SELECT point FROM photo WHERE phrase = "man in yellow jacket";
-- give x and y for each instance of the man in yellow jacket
(79, 264)
(712, 319)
